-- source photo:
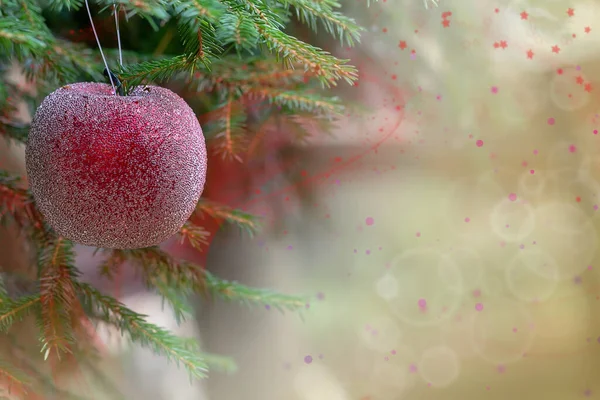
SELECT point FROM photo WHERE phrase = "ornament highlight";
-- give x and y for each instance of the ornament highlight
(115, 171)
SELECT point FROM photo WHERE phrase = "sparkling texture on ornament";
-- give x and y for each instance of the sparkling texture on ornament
(115, 171)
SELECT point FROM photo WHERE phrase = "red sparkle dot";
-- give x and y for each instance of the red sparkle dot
(479, 143)
(578, 199)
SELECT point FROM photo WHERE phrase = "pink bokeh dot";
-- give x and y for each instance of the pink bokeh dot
(479, 306)
(308, 359)
(512, 197)
(595, 131)
(467, 219)
(479, 143)
(369, 221)
(422, 303)
(572, 148)
(551, 121)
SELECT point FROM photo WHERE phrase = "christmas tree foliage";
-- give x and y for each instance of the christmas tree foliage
(239, 68)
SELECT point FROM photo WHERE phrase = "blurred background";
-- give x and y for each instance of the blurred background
(447, 236)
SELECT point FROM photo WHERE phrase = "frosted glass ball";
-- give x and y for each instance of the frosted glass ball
(115, 171)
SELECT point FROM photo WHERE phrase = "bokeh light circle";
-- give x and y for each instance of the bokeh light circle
(512, 221)
(431, 287)
(565, 234)
(439, 366)
(532, 276)
(503, 332)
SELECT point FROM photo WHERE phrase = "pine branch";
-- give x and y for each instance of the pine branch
(148, 335)
(233, 291)
(178, 298)
(19, 39)
(14, 130)
(111, 265)
(226, 75)
(197, 236)
(57, 291)
(294, 100)
(12, 311)
(163, 270)
(238, 29)
(17, 203)
(60, 5)
(228, 131)
(147, 9)
(246, 222)
(15, 381)
(189, 11)
(214, 361)
(220, 363)
(199, 40)
(328, 68)
(158, 70)
(336, 24)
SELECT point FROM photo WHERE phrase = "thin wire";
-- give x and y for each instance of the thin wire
(118, 34)
(100, 47)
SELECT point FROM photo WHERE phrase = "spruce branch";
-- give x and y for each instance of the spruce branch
(17, 202)
(196, 235)
(336, 24)
(328, 68)
(220, 363)
(12, 311)
(295, 100)
(199, 41)
(189, 11)
(177, 297)
(58, 276)
(234, 291)
(13, 380)
(245, 221)
(60, 5)
(161, 269)
(229, 132)
(157, 70)
(144, 333)
(19, 39)
(238, 29)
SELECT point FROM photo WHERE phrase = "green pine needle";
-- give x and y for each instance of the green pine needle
(247, 223)
(144, 333)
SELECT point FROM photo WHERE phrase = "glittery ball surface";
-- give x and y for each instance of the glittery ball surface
(115, 171)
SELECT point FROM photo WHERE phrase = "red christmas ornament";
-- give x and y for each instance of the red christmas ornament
(115, 171)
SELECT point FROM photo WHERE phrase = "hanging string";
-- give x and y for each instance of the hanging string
(118, 33)
(100, 47)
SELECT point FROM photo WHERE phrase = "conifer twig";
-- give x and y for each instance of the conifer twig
(245, 221)
(196, 235)
(14, 380)
(17, 310)
(57, 292)
(146, 334)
